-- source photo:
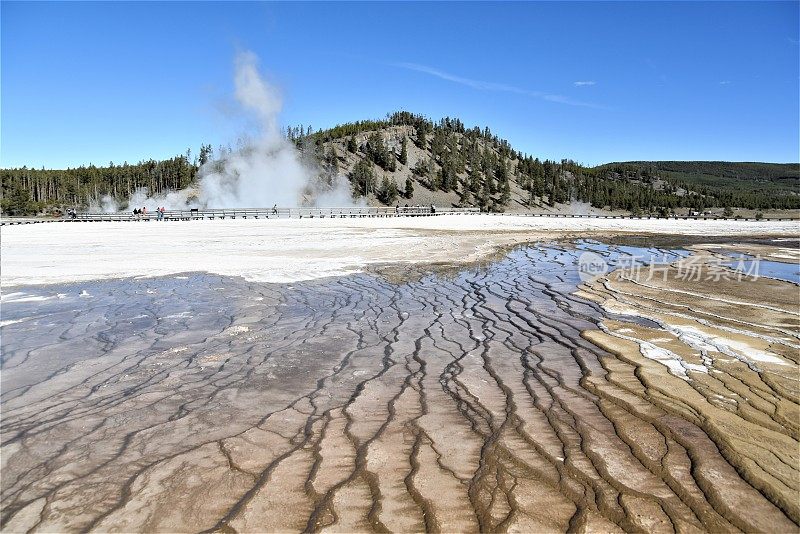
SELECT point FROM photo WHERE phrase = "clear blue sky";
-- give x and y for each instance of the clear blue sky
(99, 82)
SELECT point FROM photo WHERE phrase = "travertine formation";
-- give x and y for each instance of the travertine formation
(289, 250)
(491, 399)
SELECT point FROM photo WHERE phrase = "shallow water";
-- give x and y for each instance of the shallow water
(461, 403)
(778, 270)
(627, 253)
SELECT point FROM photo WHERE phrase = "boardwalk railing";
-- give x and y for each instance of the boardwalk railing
(352, 212)
(275, 213)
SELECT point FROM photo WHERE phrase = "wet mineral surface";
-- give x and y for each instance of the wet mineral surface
(494, 398)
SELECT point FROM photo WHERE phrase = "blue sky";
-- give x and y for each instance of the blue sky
(595, 82)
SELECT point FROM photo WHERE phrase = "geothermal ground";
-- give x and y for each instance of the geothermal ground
(290, 250)
(446, 374)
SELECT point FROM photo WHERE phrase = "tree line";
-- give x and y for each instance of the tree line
(27, 191)
(482, 168)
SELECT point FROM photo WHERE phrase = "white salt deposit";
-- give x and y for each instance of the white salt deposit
(285, 250)
(9, 298)
(677, 366)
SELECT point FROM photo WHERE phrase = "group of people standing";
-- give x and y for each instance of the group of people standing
(140, 213)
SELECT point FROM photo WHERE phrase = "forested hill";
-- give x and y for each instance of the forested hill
(444, 162)
(754, 171)
(410, 159)
(725, 174)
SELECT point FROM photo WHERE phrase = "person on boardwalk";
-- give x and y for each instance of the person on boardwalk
(274, 209)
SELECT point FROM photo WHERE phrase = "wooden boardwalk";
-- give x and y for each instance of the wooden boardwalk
(300, 213)
(248, 213)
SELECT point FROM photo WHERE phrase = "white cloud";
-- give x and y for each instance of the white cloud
(583, 83)
(492, 86)
(725, 82)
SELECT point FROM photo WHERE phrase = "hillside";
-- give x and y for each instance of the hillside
(410, 159)
(767, 177)
(736, 171)
(447, 164)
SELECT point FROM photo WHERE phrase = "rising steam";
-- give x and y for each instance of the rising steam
(267, 169)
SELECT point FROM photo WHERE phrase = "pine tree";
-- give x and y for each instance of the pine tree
(388, 191)
(379, 153)
(362, 178)
(485, 195)
(351, 144)
(404, 151)
(420, 169)
(409, 192)
(466, 195)
(205, 154)
(475, 179)
(392, 193)
(422, 141)
(18, 202)
(505, 192)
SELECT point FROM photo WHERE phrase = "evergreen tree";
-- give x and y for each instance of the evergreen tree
(388, 191)
(490, 183)
(422, 141)
(362, 178)
(205, 154)
(538, 186)
(333, 160)
(484, 196)
(404, 151)
(505, 192)
(466, 194)
(18, 202)
(475, 180)
(378, 152)
(503, 181)
(409, 191)
(421, 168)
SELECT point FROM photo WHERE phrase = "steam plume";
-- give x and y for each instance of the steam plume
(268, 169)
